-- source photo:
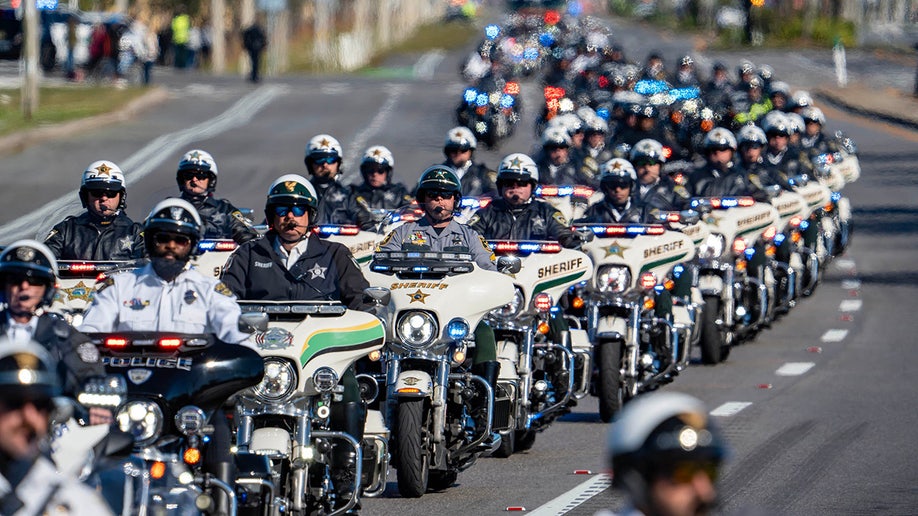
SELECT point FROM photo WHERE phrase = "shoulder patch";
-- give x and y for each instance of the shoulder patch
(474, 220)
(104, 284)
(221, 288)
(559, 217)
(681, 191)
(236, 214)
(50, 234)
(484, 243)
(385, 241)
(756, 182)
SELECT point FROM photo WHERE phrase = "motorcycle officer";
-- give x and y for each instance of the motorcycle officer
(29, 481)
(595, 148)
(517, 215)
(377, 191)
(813, 140)
(323, 161)
(617, 206)
(718, 175)
(476, 178)
(655, 192)
(197, 181)
(28, 275)
(291, 263)
(556, 167)
(781, 160)
(438, 193)
(103, 231)
(665, 452)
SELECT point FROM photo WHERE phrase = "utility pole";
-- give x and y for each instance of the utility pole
(218, 30)
(30, 59)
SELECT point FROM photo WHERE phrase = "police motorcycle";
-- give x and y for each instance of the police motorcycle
(834, 171)
(541, 371)
(626, 309)
(796, 266)
(571, 200)
(736, 301)
(441, 413)
(491, 115)
(168, 388)
(286, 420)
(76, 282)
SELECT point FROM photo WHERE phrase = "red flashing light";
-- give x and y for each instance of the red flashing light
(667, 152)
(648, 280)
(542, 302)
(551, 17)
(603, 81)
(116, 342)
(770, 233)
(225, 246)
(170, 342)
(583, 191)
(512, 88)
(553, 93)
(745, 201)
(82, 267)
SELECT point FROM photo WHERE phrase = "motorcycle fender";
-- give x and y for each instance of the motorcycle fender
(709, 284)
(375, 425)
(844, 209)
(681, 316)
(611, 326)
(71, 445)
(580, 339)
(413, 384)
(270, 439)
(508, 355)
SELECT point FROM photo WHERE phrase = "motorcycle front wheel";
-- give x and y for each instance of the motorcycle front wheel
(610, 379)
(411, 447)
(714, 348)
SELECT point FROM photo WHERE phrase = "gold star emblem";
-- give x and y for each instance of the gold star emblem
(195, 155)
(104, 170)
(79, 291)
(324, 143)
(616, 249)
(617, 166)
(515, 163)
(377, 153)
(418, 296)
(458, 134)
(290, 185)
(712, 220)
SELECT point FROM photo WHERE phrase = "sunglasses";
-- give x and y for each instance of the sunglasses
(620, 185)
(457, 150)
(98, 194)
(431, 195)
(42, 405)
(645, 162)
(325, 160)
(684, 472)
(17, 279)
(375, 170)
(165, 238)
(297, 211)
(200, 176)
(512, 184)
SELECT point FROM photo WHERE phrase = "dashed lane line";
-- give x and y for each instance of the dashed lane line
(794, 368)
(850, 305)
(576, 496)
(730, 408)
(852, 284)
(834, 336)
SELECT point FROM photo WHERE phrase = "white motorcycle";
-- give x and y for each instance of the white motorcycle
(542, 368)
(307, 346)
(640, 341)
(441, 413)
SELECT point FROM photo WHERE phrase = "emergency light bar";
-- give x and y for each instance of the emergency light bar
(474, 202)
(564, 191)
(217, 245)
(331, 230)
(622, 230)
(524, 247)
(80, 269)
(723, 203)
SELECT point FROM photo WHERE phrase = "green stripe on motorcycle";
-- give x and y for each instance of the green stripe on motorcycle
(368, 334)
(754, 229)
(363, 260)
(664, 261)
(541, 287)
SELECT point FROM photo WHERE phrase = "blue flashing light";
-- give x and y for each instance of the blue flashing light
(530, 247)
(779, 239)
(206, 439)
(207, 245)
(546, 39)
(46, 5)
(749, 252)
(678, 270)
(648, 87)
(470, 94)
(603, 113)
(564, 191)
(492, 31)
(728, 202)
(531, 53)
(685, 93)
(457, 329)
(695, 203)
(379, 268)
(836, 196)
(804, 224)
(507, 101)
(329, 230)
(635, 230)
(481, 99)
(420, 268)
(659, 289)
(574, 8)
(555, 309)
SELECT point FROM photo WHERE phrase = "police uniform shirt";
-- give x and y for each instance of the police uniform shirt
(140, 300)
(19, 332)
(459, 238)
(44, 490)
(290, 257)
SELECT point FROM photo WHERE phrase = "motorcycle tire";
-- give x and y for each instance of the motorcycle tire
(440, 480)
(411, 447)
(507, 445)
(712, 342)
(525, 439)
(610, 379)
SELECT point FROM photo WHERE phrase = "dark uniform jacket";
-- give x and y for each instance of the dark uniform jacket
(664, 195)
(85, 237)
(389, 197)
(780, 167)
(710, 181)
(478, 180)
(222, 219)
(536, 220)
(566, 174)
(326, 271)
(605, 212)
(334, 203)
(77, 358)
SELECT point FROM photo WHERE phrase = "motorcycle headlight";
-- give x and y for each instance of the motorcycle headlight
(613, 278)
(325, 379)
(279, 380)
(511, 309)
(190, 420)
(142, 419)
(712, 246)
(416, 329)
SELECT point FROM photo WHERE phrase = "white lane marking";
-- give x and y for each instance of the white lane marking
(143, 162)
(576, 496)
(845, 265)
(425, 67)
(335, 88)
(850, 305)
(834, 336)
(851, 284)
(359, 141)
(794, 368)
(730, 408)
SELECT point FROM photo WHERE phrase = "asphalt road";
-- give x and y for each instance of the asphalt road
(819, 409)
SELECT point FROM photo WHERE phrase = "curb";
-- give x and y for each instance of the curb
(23, 139)
(838, 102)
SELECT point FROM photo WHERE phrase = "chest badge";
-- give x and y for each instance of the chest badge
(418, 238)
(317, 272)
(136, 304)
(191, 296)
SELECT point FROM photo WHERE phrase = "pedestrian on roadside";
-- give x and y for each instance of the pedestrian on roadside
(254, 41)
(181, 29)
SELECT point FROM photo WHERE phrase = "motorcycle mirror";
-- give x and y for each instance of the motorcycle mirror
(380, 295)
(799, 180)
(64, 409)
(253, 321)
(689, 217)
(509, 264)
(773, 191)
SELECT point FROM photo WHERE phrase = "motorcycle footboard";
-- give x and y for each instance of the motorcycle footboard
(358, 466)
(489, 411)
(376, 466)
